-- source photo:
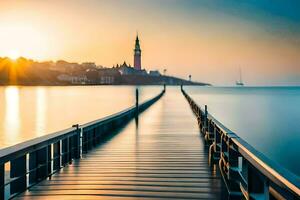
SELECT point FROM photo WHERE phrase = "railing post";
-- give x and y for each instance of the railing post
(94, 132)
(209, 135)
(206, 115)
(233, 168)
(79, 143)
(256, 183)
(56, 156)
(2, 181)
(70, 145)
(49, 160)
(217, 142)
(84, 141)
(137, 100)
(42, 163)
(215, 146)
(76, 142)
(18, 171)
(205, 121)
(32, 167)
(98, 131)
(90, 134)
(65, 153)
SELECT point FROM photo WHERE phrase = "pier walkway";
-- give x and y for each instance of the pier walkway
(159, 156)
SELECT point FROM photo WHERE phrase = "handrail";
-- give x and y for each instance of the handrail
(109, 117)
(31, 145)
(246, 172)
(37, 159)
(269, 168)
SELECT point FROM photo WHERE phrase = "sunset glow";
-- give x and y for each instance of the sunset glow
(22, 38)
(13, 55)
(209, 40)
(149, 99)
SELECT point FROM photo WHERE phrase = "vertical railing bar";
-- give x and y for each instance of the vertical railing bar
(18, 170)
(2, 181)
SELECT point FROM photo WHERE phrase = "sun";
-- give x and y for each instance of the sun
(14, 55)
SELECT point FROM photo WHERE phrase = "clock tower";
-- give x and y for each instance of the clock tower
(137, 54)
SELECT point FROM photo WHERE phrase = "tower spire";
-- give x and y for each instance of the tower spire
(137, 53)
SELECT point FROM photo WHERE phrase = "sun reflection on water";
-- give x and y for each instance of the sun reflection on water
(40, 111)
(12, 110)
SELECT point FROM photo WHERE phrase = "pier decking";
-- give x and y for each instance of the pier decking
(148, 158)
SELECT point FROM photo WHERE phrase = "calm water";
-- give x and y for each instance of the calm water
(266, 117)
(29, 112)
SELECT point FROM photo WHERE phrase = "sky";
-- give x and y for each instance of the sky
(209, 39)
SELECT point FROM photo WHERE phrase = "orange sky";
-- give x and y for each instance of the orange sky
(205, 40)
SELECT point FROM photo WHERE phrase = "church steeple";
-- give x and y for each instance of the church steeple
(137, 54)
(137, 43)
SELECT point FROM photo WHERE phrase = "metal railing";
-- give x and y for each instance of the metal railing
(32, 161)
(247, 173)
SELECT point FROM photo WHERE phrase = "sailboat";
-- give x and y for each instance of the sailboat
(240, 82)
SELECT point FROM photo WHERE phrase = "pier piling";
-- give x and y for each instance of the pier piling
(137, 100)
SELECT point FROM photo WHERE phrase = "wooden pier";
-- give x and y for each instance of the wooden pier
(149, 158)
(142, 155)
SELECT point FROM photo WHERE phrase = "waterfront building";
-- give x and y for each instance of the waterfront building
(107, 80)
(108, 76)
(125, 69)
(73, 79)
(154, 73)
(89, 65)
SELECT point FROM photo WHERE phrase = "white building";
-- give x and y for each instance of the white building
(80, 79)
(154, 73)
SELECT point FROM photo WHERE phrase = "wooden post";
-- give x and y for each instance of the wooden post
(137, 100)
(90, 134)
(2, 181)
(205, 120)
(32, 168)
(164, 87)
(257, 183)
(233, 164)
(42, 166)
(49, 160)
(76, 142)
(18, 171)
(94, 132)
(56, 156)
(70, 145)
(64, 151)
(217, 142)
(84, 141)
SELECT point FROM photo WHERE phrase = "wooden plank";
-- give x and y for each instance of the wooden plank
(148, 179)
(126, 193)
(131, 182)
(157, 188)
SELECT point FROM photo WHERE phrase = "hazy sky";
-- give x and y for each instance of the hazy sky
(209, 39)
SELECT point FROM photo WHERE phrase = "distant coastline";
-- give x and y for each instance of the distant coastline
(27, 72)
